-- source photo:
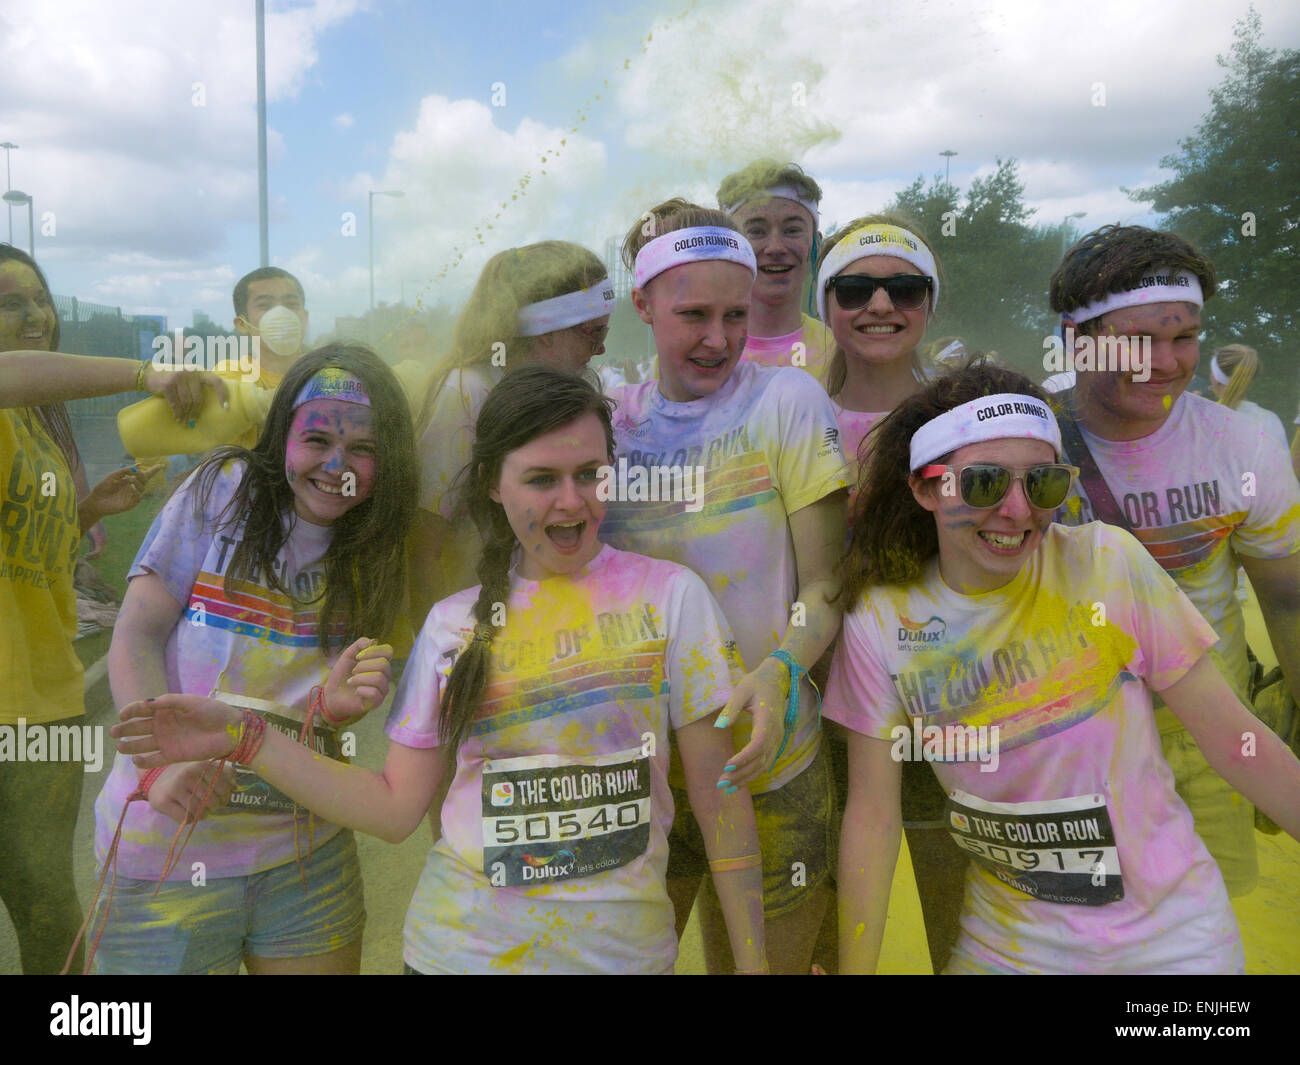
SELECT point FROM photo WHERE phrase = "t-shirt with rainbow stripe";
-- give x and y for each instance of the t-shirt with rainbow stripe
(253, 641)
(769, 446)
(594, 667)
(1062, 662)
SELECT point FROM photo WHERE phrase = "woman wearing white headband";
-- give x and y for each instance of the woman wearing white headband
(758, 512)
(1021, 656)
(776, 207)
(546, 303)
(1232, 369)
(877, 286)
(261, 586)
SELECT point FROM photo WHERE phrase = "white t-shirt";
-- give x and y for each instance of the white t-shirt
(1068, 689)
(444, 446)
(1271, 422)
(593, 669)
(252, 642)
(1207, 486)
(769, 446)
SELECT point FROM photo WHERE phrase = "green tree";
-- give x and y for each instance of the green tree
(994, 264)
(1234, 195)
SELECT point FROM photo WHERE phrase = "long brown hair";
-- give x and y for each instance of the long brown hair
(893, 536)
(53, 417)
(529, 402)
(365, 564)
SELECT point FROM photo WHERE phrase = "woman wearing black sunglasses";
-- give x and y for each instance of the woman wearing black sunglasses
(1020, 657)
(876, 289)
(877, 285)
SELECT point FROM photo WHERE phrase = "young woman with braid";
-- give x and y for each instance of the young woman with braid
(548, 691)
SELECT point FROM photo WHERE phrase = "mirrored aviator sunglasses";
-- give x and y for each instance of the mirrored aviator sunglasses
(985, 485)
(907, 292)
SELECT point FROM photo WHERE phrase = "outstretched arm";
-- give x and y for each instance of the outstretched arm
(1244, 751)
(388, 804)
(34, 378)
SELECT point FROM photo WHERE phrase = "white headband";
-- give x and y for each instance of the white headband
(779, 192)
(1004, 416)
(1216, 372)
(560, 312)
(693, 245)
(877, 240)
(1166, 287)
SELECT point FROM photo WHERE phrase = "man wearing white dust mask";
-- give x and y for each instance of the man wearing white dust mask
(270, 303)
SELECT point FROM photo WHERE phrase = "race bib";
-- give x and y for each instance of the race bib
(552, 817)
(254, 795)
(1060, 850)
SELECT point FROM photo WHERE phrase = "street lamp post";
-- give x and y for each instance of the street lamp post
(370, 229)
(1066, 227)
(9, 184)
(947, 165)
(14, 197)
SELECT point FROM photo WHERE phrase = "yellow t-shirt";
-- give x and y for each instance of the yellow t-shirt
(40, 674)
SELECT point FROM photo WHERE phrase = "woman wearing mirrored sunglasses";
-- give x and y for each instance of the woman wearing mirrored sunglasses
(1021, 657)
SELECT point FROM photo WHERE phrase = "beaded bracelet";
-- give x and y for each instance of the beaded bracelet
(139, 377)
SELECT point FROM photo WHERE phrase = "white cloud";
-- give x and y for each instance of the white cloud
(460, 172)
(125, 113)
(887, 88)
(343, 121)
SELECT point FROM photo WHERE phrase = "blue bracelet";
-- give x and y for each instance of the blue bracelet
(792, 702)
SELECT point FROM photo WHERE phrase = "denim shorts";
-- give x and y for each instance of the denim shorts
(798, 835)
(209, 929)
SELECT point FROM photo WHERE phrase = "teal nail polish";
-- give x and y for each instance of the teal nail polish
(729, 769)
(721, 722)
(731, 789)
(191, 423)
(722, 783)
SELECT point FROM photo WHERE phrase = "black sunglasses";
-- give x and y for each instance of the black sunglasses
(907, 292)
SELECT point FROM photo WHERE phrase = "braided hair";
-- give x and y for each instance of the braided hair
(529, 402)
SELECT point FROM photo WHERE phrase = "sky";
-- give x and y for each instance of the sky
(503, 123)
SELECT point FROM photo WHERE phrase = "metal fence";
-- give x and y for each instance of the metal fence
(87, 328)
